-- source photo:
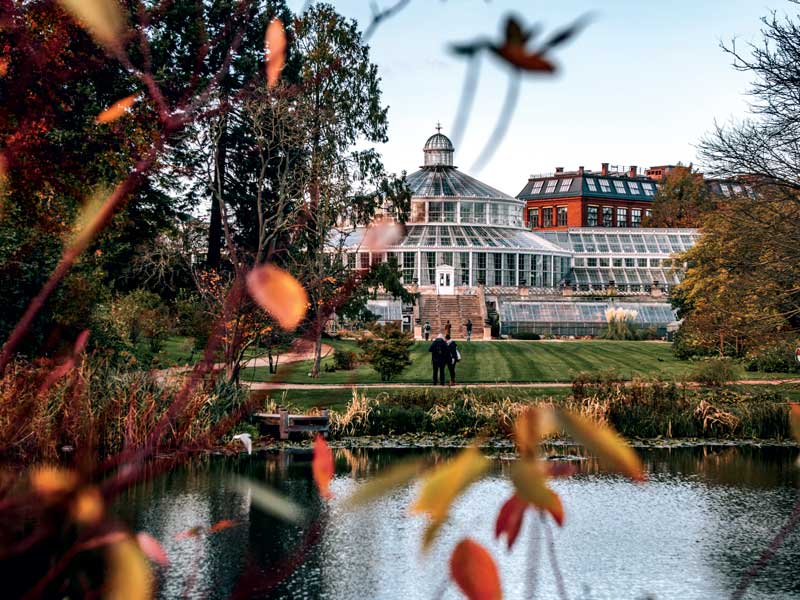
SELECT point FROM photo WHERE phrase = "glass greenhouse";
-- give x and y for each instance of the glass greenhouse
(578, 318)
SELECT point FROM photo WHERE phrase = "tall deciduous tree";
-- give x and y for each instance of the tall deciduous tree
(740, 291)
(340, 105)
(681, 199)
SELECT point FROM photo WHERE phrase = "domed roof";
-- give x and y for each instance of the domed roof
(439, 141)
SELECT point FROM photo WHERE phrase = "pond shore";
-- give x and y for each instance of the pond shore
(425, 441)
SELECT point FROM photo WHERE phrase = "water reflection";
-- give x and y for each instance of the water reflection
(690, 532)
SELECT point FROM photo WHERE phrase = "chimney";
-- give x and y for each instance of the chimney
(580, 170)
(559, 169)
(632, 172)
(603, 168)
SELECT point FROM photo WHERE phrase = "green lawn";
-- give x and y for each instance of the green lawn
(510, 362)
(337, 398)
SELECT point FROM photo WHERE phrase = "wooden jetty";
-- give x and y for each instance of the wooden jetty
(287, 423)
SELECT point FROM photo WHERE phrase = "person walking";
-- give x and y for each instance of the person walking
(469, 329)
(427, 330)
(454, 356)
(447, 328)
(440, 356)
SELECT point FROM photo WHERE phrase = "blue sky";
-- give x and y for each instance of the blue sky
(640, 86)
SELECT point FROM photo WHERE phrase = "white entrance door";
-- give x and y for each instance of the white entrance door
(445, 280)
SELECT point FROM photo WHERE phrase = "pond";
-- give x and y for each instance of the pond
(691, 531)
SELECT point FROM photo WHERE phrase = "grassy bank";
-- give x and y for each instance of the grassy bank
(96, 410)
(642, 410)
(508, 361)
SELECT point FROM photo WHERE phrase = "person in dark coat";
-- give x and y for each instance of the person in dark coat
(440, 356)
(447, 328)
(469, 330)
(427, 330)
(452, 351)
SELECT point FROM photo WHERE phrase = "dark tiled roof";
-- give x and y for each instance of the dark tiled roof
(449, 182)
(591, 185)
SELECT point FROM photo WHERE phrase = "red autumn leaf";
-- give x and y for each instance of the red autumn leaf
(151, 548)
(116, 110)
(220, 525)
(322, 466)
(279, 293)
(509, 519)
(275, 46)
(189, 533)
(518, 56)
(475, 572)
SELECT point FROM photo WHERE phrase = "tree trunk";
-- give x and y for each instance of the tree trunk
(214, 254)
(317, 354)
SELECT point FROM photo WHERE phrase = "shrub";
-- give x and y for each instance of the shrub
(526, 335)
(344, 360)
(715, 372)
(387, 350)
(774, 359)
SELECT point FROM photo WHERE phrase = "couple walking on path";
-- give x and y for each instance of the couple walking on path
(444, 352)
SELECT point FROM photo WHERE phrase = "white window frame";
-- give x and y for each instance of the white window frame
(619, 186)
(564, 185)
(605, 185)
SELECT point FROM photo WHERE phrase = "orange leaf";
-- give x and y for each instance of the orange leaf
(509, 519)
(531, 484)
(116, 110)
(794, 419)
(530, 427)
(52, 480)
(4, 62)
(605, 443)
(152, 548)
(475, 572)
(322, 466)
(279, 293)
(275, 45)
(87, 508)
(220, 525)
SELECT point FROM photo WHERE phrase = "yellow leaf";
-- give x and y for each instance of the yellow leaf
(612, 451)
(279, 293)
(275, 43)
(103, 19)
(116, 110)
(531, 485)
(385, 482)
(129, 575)
(442, 485)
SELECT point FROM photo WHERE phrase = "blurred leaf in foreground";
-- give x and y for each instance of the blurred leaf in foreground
(129, 575)
(383, 483)
(270, 501)
(612, 451)
(103, 19)
(442, 485)
(322, 466)
(279, 293)
(475, 572)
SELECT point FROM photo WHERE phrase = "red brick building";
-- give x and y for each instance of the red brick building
(608, 198)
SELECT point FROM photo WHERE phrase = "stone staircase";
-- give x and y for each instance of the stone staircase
(457, 309)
